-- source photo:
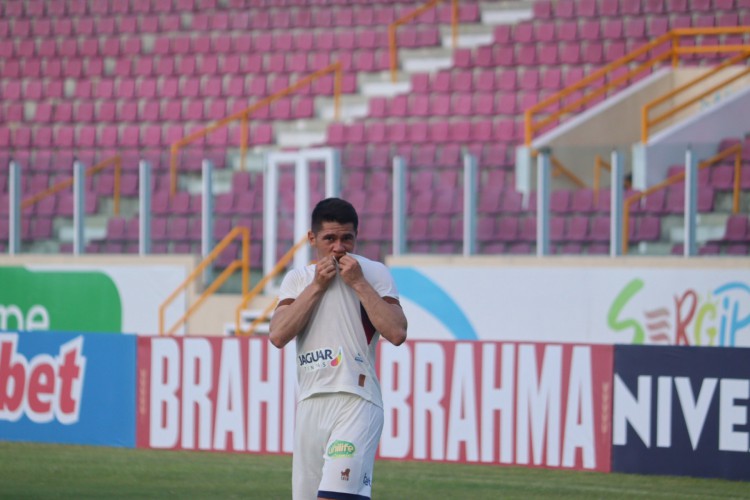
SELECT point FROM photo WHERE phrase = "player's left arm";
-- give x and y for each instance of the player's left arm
(385, 313)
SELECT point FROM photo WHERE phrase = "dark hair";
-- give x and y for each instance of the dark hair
(333, 210)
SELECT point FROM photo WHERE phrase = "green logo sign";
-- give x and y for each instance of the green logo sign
(341, 449)
(82, 301)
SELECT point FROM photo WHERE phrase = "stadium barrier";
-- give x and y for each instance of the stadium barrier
(634, 409)
(73, 388)
(681, 411)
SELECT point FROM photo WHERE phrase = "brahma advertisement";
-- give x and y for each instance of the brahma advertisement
(545, 405)
(67, 388)
(590, 305)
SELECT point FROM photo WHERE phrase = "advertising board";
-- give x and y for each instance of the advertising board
(545, 405)
(682, 410)
(88, 298)
(591, 305)
(70, 388)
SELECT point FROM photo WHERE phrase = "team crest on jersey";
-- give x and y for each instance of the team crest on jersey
(320, 358)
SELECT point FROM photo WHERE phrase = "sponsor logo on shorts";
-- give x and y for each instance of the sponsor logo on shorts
(345, 475)
(319, 358)
(367, 481)
(341, 449)
(359, 359)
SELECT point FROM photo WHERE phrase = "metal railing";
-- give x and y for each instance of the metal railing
(393, 42)
(648, 122)
(671, 50)
(559, 169)
(599, 165)
(243, 263)
(258, 288)
(243, 116)
(91, 171)
(735, 150)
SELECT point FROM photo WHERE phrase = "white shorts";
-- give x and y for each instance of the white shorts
(335, 441)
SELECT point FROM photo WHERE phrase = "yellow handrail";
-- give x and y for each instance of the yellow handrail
(560, 169)
(673, 52)
(244, 115)
(66, 183)
(599, 164)
(244, 233)
(736, 150)
(248, 296)
(648, 123)
(393, 43)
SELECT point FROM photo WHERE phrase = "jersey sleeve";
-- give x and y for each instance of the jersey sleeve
(383, 282)
(292, 285)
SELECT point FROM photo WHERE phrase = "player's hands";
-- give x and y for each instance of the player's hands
(350, 270)
(325, 271)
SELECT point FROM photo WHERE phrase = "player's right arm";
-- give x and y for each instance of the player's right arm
(292, 314)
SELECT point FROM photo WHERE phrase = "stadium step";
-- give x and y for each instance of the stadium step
(246, 318)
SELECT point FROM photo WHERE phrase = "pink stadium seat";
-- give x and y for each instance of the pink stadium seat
(653, 6)
(487, 229)
(738, 249)
(557, 228)
(737, 228)
(560, 201)
(578, 229)
(512, 202)
(508, 229)
(600, 229)
(655, 202)
(564, 9)
(648, 228)
(523, 32)
(542, 9)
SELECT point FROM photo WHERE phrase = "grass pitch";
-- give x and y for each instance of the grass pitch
(59, 471)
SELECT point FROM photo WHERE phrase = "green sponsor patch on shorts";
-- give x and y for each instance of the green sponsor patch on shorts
(341, 449)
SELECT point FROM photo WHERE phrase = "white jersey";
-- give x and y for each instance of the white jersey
(336, 351)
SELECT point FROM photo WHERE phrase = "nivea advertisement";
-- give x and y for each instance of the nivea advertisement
(73, 388)
(681, 410)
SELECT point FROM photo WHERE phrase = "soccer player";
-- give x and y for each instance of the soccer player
(336, 309)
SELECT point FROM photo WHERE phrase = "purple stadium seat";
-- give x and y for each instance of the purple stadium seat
(578, 229)
(648, 228)
(508, 229)
(653, 6)
(655, 203)
(560, 201)
(737, 228)
(738, 249)
(600, 228)
(564, 9)
(557, 228)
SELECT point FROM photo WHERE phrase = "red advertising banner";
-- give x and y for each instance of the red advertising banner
(545, 405)
(539, 405)
(215, 394)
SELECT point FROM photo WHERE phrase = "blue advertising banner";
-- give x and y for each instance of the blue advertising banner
(69, 388)
(682, 410)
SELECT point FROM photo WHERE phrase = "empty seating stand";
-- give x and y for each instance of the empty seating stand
(139, 75)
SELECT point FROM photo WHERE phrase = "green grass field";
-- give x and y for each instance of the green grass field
(56, 471)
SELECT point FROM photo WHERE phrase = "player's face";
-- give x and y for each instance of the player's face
(333, 239)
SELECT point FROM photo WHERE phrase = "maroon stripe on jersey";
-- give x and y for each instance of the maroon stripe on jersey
(367, 324)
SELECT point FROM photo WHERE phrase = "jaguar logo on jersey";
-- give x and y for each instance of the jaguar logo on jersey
(341, 449)
(319, 358)
(339, 358)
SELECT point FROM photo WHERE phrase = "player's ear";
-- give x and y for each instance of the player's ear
(311, 237)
